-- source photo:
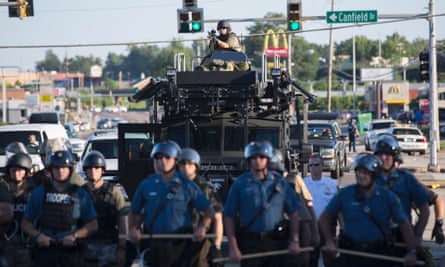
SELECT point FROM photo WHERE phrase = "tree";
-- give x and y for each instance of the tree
(83, 64)
(365, 49)
(113, 65)
(50, 63)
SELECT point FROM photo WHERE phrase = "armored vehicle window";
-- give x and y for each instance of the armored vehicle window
(201, 139)
(233, 137)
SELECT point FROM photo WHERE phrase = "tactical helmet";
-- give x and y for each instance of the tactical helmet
(20, 160)
(189, 154)
(14, 148)
(94, 159)
(223, 24)
(169, 148)
(276, 161)
(387, 143)
(61, 158)
(263, 148)
(369, 162)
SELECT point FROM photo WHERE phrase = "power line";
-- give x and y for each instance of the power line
(404, 19)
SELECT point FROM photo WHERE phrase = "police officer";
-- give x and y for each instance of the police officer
(402, 183)
(167, 199)
(6, 216)
(437, 202)
(103, 248)
(309, 233)
(226, 40)
(368, 211)
(189, 164)
(260, 198)
(19, 186)
(46, 150)
(63, 213)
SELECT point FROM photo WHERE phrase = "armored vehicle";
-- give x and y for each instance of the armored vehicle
(215, 112)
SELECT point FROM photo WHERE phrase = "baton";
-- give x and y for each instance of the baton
(375, 256)
(167, 236)
(262, 254)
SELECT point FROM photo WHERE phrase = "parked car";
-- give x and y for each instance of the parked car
(104, 123)
(22, 132)
(411, 139)
(106, 142)
(373, 128)
(77, 144)
(328, 140)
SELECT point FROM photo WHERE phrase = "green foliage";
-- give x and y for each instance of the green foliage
(50, 63)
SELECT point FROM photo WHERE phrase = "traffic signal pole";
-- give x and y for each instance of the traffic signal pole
(434, 119)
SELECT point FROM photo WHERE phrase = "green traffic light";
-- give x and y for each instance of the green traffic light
(294, 26)
(196, 26)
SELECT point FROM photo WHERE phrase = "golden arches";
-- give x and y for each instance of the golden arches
(275, 39)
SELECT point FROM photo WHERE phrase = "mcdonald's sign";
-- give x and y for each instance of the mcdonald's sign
(394, 90)
(276, 49)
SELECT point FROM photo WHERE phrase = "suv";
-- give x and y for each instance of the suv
(373, 129)
(326, 139)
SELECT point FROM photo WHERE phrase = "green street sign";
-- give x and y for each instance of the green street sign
(351, 16)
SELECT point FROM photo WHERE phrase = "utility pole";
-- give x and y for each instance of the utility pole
(434, 133)
(331, 59)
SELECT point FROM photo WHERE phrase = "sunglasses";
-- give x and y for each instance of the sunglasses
(222, 28)
(314, 164)
(161, 156)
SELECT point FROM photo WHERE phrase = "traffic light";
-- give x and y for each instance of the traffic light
(23, 9)
(189, 3)
(294, 16)
(190, 20)
(424, 67)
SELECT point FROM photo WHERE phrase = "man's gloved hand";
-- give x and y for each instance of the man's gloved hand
(214, 253)
(438, 232)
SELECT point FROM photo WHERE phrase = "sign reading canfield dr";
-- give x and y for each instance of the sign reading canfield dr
(351, 16)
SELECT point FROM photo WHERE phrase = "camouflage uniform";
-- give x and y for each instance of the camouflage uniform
(102, 247)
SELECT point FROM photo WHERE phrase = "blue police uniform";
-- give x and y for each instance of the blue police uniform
(176, 215)
(248, 195)
(172, 205)
(406, 187)
(84, 210)
(383, 204)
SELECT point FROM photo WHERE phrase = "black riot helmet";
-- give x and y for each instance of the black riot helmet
(20, 160)
(94, 159)
(14, 148)
(223, 24)
(276, 161)
(387, 143)
(263, 149)
(189, 154)
(370, 163)
(168, 148)
(61, 158)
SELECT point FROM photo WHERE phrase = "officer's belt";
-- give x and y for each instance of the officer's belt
(374, 246)
(260, 235)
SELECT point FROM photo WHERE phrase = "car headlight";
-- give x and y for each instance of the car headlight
(327, 153)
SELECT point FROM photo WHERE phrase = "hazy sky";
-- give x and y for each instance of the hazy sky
(62, 22)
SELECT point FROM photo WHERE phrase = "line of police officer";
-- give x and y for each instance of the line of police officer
(59, 214)
(55, 220)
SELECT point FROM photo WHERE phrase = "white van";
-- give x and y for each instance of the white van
(21, 133)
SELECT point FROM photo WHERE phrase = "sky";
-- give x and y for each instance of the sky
(63, 22)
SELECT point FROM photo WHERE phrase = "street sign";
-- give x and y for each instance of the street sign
(351, 16)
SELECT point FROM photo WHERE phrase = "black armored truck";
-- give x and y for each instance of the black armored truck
(215, 112)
